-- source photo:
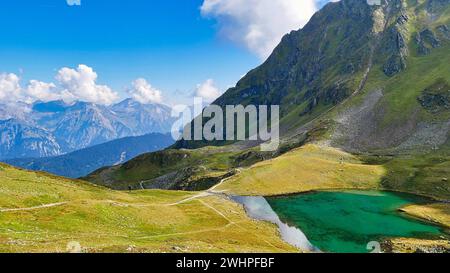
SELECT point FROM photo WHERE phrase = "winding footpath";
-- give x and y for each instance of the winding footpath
(35, 208)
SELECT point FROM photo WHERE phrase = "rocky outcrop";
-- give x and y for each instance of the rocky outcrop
(395, 64)
(436, 98)
(396, 46)
(445, 31)
(411, 245)
(435, 6)
(426, 40)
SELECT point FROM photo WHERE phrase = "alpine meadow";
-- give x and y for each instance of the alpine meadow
(358, 100)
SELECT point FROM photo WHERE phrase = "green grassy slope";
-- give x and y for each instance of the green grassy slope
(185, 169)
(314, 167)
(308, 168)
(43, 213)
(399, 143)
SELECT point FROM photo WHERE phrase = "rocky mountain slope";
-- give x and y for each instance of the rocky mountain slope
(369, 79)
(55, 128)
(390, 53)
(84, 161)
(19, 139)
(403, 105)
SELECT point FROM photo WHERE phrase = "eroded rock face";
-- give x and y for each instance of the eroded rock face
(397, 46)
(395, 64)
(435, 102)
(434, 6)
(358, 128)
(426, 40)
(445, 31)
(436, 98)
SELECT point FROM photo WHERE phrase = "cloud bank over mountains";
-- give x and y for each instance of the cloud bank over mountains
(73, 84)
(80, 84)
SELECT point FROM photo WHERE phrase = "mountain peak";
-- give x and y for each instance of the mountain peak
(50, 107)
(128, 102)
(133, 102)
(337, 53)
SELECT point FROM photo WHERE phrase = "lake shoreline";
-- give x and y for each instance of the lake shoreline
(430, 200)
(410, 199)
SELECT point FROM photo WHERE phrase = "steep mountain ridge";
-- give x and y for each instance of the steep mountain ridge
(345, 49)
(391, 115)
(315, 68)
(371, 80)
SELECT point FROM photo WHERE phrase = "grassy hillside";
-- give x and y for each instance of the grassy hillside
(43, 213)
(169, 169)
(438, 213)
(314, 167)
(424, 174)
(304, 169)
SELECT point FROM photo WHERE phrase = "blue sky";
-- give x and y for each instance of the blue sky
(175, 45)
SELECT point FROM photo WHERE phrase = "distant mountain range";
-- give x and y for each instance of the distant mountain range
(84, 161)
(56, 128)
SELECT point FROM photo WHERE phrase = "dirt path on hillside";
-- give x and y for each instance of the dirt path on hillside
(34, 208)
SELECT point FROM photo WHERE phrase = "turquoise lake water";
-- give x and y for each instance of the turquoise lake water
(345, 222)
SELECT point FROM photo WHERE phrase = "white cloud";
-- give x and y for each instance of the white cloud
(144, 93)
(80, 84)
(37, 90)
(73, 2)
(208, 90)
(10, 89)
(259, 24)
(72, 85)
